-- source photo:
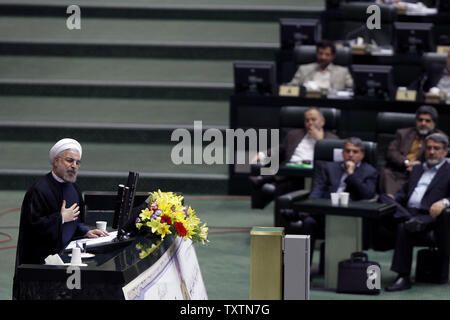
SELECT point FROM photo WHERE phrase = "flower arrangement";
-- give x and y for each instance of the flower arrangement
(167, 215)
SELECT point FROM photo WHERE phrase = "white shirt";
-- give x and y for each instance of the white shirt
(304, 150)
(427, 176)
(57, 178)
(444, 82)
(322, 78)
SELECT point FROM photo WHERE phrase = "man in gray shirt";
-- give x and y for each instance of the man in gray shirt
(323, 73)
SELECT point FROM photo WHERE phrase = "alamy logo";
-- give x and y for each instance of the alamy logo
(374, 21)
(247, 145)
(74, 280)
(373, 277)
(74, 21)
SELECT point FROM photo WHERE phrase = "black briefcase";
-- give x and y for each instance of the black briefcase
(431, 266)
(358, 275)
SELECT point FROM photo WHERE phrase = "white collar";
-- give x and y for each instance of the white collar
(57, 178)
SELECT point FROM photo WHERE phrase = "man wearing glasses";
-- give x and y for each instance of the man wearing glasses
(53, 207)
(419, 202)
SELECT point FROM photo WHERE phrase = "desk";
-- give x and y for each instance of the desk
(118, 270)
(291, 171)
(343, 229)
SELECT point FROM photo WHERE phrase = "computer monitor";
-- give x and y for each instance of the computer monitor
(299, 31)
(124, 204)
(413, 37)
(254, 78)
(373, 81)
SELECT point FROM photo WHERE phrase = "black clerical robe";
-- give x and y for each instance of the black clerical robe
(41, 227)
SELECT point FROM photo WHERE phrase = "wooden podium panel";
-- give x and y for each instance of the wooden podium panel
(266, 263)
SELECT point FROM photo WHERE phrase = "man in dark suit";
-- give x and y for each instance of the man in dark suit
(406, 150)
(297, 147)
(421, 199)
(352, 175)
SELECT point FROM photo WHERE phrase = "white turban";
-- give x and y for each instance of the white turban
(62, 145)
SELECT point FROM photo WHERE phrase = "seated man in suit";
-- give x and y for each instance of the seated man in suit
(323, 73)
(421, 199)
(297, 147)
(352, 175)
(407, 150)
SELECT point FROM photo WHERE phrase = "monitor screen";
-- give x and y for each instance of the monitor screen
(124, 201)
(373, 81)
(254, 78)
(299, 31)
(412, 37)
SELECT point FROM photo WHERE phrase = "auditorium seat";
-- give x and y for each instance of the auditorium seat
(291, 117)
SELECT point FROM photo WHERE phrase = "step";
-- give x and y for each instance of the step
(108, 181)
(201, 9)
(281, 3)
(115, 69)
(94, 132)
(118, 89)
(168, 112)
(125, 29)
(143, 49)
(114, 157)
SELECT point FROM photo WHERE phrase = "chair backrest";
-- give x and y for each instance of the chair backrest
(430, 58)
(351, 22)
(324, 151)
(304, 54)
(292, 117)
(386, 126)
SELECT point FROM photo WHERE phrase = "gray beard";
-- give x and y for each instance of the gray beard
(433, 162)
(69, 178)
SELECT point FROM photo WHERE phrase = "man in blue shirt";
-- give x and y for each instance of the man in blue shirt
(422, 198)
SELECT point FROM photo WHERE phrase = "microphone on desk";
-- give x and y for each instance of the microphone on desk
(422, 84)
(355, 32)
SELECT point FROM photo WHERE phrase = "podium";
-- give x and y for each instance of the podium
(118, 273)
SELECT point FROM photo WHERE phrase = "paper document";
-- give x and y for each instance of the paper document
(92, 242)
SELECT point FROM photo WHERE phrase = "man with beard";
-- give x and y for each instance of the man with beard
(421, 199)
(323, 73)
(53, 207)
(406, 150)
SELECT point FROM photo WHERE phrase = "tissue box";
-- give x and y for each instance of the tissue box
(313, 93)
(432, 98)
(359, 49)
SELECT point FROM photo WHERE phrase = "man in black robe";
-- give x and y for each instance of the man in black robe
(52, 209)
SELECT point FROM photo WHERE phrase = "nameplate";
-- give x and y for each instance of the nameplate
(289, 91)
(442, 49)
(406, 95)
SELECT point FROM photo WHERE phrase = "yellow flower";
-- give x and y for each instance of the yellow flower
(163, 230)
(146, 214)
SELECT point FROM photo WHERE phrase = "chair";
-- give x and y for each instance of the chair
(100, 205)
(386, 127)
(433, 65)
(291, 117)
(350, 21)
(304, 54)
